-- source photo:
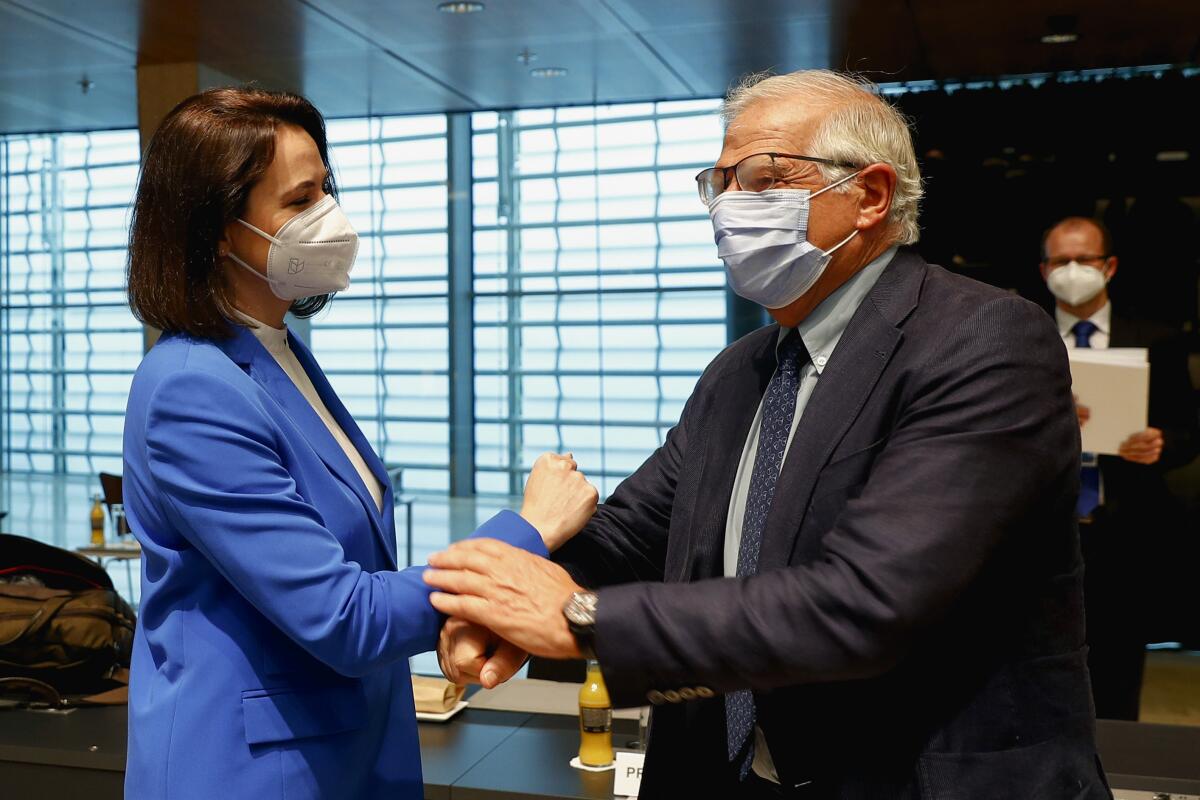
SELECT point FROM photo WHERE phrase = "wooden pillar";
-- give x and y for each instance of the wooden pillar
(161, 87)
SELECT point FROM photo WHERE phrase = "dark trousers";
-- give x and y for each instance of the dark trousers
(1114, 601)
(755, 788)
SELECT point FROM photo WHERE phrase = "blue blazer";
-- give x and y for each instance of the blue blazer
(271, 652)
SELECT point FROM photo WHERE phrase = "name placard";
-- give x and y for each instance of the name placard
(627, 773)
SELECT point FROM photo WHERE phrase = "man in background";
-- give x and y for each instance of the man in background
(1129, 522)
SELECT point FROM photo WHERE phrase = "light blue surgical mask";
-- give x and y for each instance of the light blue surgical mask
(763, 239)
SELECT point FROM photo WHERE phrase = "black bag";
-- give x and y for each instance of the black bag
(62, 625)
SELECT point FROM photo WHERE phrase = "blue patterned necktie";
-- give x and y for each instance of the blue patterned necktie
(1089, 472)
(779, 406)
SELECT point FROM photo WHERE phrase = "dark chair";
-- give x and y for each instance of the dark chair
(110, 485)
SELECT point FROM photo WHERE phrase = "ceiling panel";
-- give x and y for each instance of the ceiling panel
(477, 54)
(403, 56)
(713, 56)
(599, 69)
(948, 39)
(41, 70)
(712, 42)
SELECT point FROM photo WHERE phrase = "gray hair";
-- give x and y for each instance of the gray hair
(861, 128)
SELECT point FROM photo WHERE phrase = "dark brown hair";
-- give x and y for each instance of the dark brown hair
(196, 175)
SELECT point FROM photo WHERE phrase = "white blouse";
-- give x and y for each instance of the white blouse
(276, 342)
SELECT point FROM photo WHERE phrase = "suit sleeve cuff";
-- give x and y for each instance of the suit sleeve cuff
(511, 528)
(617, 615)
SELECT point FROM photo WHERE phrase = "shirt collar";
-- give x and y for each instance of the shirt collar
(1102, 319)
(275, 340)
(821, 329)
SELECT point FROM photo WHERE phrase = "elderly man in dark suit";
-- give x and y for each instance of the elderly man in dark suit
(1132, 528)
(852, 569)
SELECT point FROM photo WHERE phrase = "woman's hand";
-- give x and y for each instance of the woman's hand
(558, 499)
(469, 653)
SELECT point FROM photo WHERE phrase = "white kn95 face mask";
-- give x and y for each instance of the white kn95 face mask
(311, 254)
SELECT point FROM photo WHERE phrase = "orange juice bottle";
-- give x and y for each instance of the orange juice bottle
(97, 522)
(595, 720)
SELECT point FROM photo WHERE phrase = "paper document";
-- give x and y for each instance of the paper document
(1114, 385)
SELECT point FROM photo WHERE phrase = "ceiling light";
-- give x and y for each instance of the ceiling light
(461, 7)
(1061, 29)
(548, 72)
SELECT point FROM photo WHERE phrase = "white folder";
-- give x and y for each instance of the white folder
(1114, 385)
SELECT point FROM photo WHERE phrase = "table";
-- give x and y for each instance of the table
(81, 753)
(120, 553)
(488, 755)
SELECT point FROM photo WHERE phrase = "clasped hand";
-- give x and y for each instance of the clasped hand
(503, 602)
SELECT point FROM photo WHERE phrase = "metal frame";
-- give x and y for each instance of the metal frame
(63, 297)
(462, 312)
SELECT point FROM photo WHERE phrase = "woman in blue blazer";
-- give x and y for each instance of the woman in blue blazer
(271, 652)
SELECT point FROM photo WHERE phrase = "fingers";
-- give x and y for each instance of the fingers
(1144, 443)
(503, 664)
(1139, 457)
(462, 650)
(470, 608)
(551, 460)
(469, 654)
(1142, 448)
(457, 581)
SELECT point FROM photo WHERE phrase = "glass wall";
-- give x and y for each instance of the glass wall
(598, 295)
(68, 343)
(595, 291)
(384, 343)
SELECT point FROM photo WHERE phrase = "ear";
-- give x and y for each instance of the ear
(1112, 267)
(878, 182)
(1044, 268)
(225, 243)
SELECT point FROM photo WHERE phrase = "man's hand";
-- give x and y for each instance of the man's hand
(1142, 448)
(1082, 412)
(558, 499)
(469, 653)
(509, 591)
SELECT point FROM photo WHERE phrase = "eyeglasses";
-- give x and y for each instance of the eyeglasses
(754, 173)
(1088, 261)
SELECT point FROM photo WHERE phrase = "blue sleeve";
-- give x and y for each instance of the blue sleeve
(511, 528)
(215, 460)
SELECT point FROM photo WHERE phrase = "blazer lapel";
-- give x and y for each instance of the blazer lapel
(729, 422)
(841, 392)
(262, 367)
(384, 515)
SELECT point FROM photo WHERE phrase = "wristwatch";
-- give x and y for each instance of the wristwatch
(580, 611)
